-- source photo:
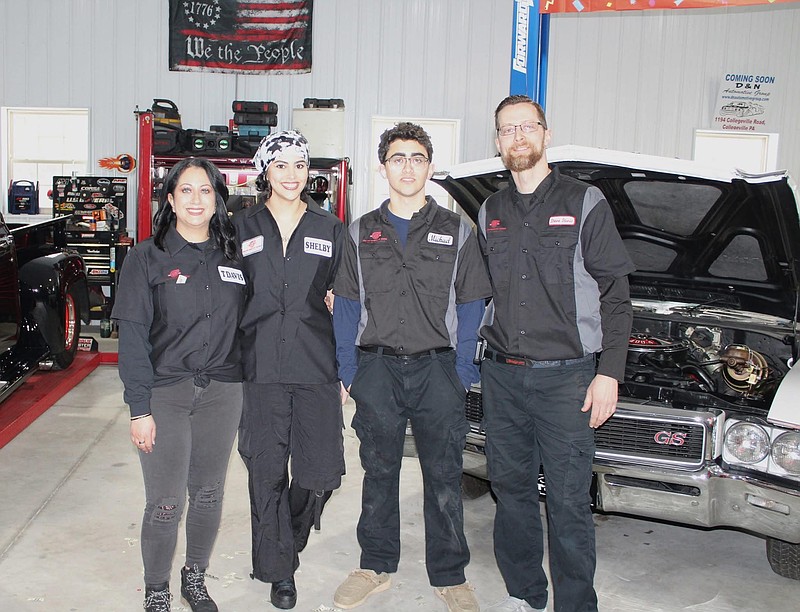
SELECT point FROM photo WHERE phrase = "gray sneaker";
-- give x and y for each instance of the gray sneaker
(359, 585)
(512, 604)
(459, 598)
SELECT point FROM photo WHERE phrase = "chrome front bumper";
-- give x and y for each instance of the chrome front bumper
(710, 497)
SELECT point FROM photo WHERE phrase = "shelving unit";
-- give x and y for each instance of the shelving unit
(240, 174)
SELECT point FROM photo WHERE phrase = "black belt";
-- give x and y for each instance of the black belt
(385, 350)
(532, 363)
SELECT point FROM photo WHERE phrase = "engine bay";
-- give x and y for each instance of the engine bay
(705, 364)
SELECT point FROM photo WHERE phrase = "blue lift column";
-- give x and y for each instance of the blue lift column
(531, 32)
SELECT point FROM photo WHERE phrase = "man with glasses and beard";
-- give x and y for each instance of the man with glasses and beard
(557, 333)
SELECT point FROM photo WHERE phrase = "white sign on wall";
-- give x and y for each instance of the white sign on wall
(743, 102)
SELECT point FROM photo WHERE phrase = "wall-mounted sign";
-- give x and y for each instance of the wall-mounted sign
(743, 102)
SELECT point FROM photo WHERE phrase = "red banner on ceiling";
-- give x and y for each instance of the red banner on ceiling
(588, 6)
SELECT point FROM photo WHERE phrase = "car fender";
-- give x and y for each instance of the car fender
(44, 282)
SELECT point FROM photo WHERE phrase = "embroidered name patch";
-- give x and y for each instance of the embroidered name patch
(317, 246)
(440, 239)
(231, 275)
(252, 245)
(561, 220)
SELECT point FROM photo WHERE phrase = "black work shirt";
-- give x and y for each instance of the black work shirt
(288, 333)
(187, 300)
(408, 295)
(559, 274)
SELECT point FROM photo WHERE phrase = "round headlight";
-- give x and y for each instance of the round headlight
(786, 451)
(747, 442)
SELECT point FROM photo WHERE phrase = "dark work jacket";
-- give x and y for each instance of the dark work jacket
(408, 295)
(559, 274)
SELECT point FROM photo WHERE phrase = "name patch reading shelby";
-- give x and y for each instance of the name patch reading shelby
(317, 246)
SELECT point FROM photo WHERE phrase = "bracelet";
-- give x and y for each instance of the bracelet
(141, 416)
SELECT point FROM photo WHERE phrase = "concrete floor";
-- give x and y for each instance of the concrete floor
(71, 509)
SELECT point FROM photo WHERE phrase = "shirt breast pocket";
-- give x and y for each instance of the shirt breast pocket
(436, 271)
(174, 302)
(497, 258)
(378, 269)
(556, 257)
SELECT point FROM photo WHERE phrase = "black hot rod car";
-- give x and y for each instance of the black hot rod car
(43, 298)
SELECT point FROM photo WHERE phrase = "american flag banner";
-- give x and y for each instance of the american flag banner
(240, 36)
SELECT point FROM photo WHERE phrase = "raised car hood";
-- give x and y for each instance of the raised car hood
(696, 233)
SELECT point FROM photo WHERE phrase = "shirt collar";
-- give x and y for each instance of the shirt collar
(426, 213)
(174, 242)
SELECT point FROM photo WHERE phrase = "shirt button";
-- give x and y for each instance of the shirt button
(526, 224)
(208, 315)
(402, 321)
(202, 262)
(207, 287)
(524, 277)
(289, 258)
(404, 265)
(400, 349)
(285, 284)
(403, 292)
(524, 250)
(205, 344)
(283, 340)
(283, 312)
(522, 303)
(522, 332)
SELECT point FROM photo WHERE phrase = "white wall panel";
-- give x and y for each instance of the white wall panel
(417, 58)
(644, 81)
(637, 81)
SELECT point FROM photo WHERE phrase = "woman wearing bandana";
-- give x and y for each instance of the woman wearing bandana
(292, 403)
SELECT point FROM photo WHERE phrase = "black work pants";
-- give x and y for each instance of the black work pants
(533, 417)
(280, 421)
(388, 391)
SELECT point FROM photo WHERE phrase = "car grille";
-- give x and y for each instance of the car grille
(676, 438)
(643, 438)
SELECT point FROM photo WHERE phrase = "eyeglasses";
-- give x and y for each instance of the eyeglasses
(398, 161)
(527, 127)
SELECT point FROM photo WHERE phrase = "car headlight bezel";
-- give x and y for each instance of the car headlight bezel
(747, 454)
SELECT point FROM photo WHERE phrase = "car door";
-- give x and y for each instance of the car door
(9, 289)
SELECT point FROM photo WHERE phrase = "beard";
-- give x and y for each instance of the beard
(520, 163)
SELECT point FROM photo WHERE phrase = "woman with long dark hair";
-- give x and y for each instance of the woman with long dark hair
(179, 303)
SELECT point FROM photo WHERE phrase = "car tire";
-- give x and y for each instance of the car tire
(784, 558)
(473, 487)
(70, 327)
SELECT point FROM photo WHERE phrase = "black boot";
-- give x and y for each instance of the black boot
(157, 598)
(283, 594)
(193, 590)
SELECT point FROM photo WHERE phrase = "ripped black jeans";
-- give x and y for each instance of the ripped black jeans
(195, 430)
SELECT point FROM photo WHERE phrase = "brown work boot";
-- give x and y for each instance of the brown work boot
(459, 598)
(359, 585)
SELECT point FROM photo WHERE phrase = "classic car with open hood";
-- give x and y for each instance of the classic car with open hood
(707, 431)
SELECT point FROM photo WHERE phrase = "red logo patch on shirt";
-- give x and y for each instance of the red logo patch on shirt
(376, 236)
(175, 273)
(561, 220)
(495, 225)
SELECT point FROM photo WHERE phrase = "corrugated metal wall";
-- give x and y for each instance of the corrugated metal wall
(638, 81)
(415, 58)
(645, 80)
